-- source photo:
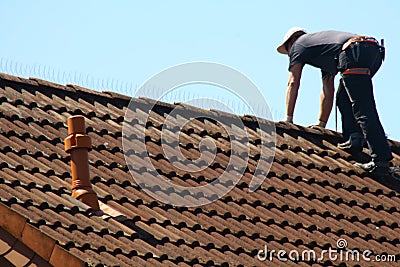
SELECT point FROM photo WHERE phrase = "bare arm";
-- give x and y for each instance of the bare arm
(326, 97)
(293, 88)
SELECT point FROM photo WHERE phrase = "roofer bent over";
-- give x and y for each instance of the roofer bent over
(357, 58)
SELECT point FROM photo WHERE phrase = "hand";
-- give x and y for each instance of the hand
(320, 124)
(317, 127)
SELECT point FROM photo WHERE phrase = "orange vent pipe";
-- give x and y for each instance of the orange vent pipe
(78, 144)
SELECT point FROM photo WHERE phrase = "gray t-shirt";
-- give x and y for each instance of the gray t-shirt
(319, 49)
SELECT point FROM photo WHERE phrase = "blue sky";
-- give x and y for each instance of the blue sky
(121, 44)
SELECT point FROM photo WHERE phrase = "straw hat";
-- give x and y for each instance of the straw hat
(281, 48)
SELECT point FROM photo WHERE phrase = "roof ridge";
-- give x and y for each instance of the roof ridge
(246, 118)
(68, 87)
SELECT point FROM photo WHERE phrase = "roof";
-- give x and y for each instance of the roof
(311, 197)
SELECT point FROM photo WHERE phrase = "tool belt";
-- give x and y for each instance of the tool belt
(359, 39)
(362, 39)
(358, 71)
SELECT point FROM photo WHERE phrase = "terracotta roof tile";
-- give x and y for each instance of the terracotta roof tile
(20, 255)
(311, 197)
(14, 253)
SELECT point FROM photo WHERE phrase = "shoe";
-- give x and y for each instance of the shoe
(353, 145)
(376, 168)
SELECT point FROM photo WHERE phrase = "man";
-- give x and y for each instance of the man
(357, 58)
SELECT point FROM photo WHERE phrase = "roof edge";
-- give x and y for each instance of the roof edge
(39, 242)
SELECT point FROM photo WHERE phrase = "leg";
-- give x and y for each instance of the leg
(349, 124)
(351, 131)
(360, 91)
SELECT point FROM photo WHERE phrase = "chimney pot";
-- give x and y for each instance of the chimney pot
(76, 125)
(78, 144)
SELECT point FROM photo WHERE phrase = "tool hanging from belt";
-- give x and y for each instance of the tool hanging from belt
(382, 49)
(362, 39)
